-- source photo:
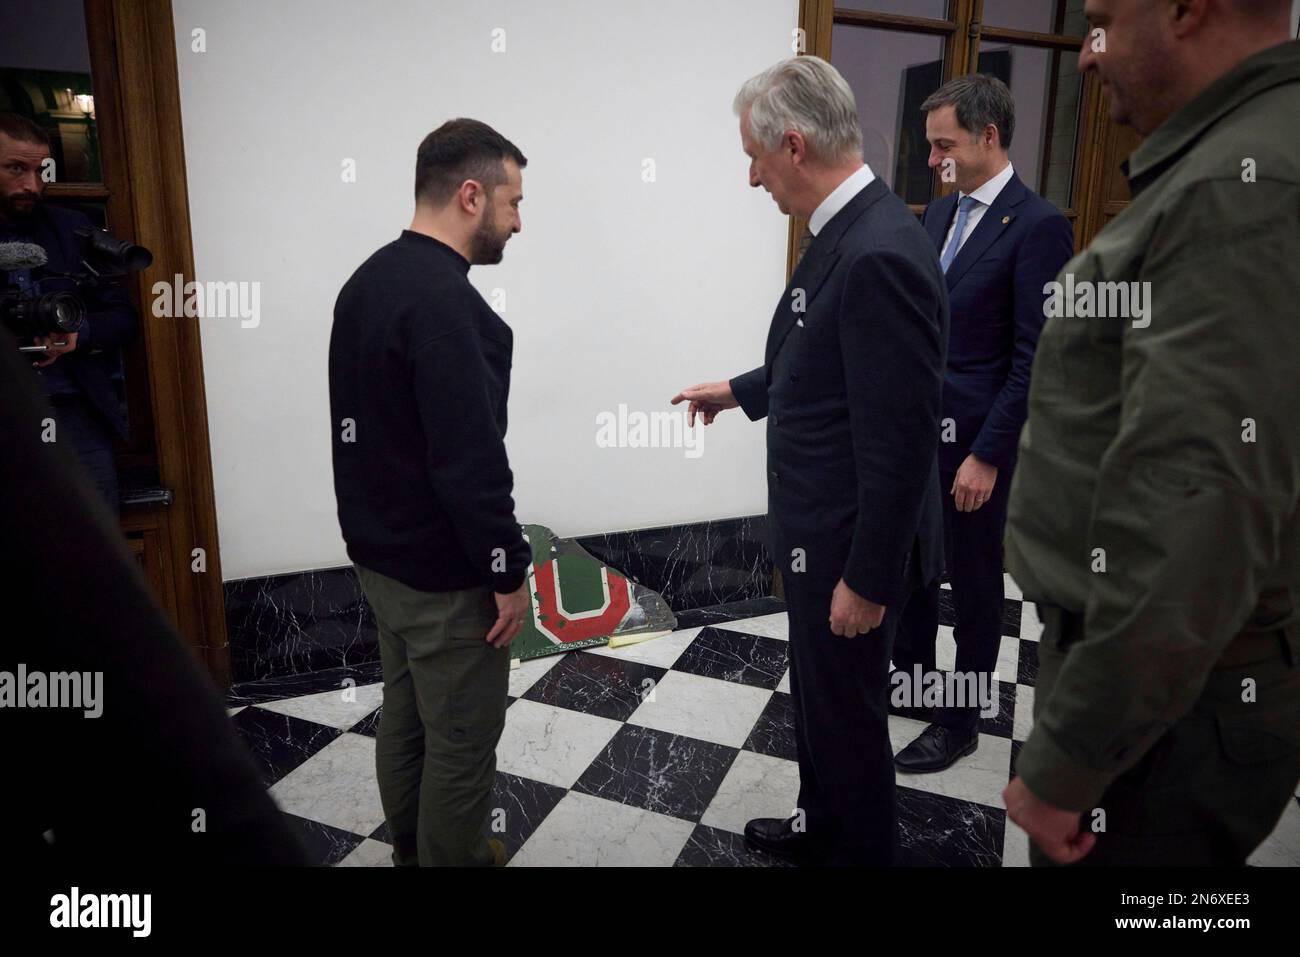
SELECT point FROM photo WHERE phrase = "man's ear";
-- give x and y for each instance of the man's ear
(794, 142)
(469, 194)
(1186, 16)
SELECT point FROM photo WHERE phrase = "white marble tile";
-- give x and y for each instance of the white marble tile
(1008, 659)
(905, 730)
(530, 672)
(1015, 846)
(338, 709)
(660, 652)
(1030, 627)
(369, 854)
(977, 777)
(785, 682)
(706, 708)
(231, 712)
(945, 649)
(756, 786)
(1023, 720)
(554, 745)
(335, 786)
(1282, 847)
(587, 831)
(773, 626)
(1010, 588)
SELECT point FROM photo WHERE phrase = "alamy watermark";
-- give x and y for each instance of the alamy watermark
(1098, 300)
(77, 910)
(209, 300)
(648, 430)
(945, 689)
(56, 689)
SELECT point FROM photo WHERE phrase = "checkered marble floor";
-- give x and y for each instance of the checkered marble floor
(650, 755)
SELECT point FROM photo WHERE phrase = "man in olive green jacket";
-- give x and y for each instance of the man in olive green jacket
(1155, 513)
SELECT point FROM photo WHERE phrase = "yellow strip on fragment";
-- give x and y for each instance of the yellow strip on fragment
(618, 641)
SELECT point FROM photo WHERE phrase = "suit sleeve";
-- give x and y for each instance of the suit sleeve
(1048, 246)
(467, 460)
(891, 340)
(1191, 513)
(750, 390)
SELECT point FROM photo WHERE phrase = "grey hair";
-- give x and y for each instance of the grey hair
(978, 100)
(807, 94)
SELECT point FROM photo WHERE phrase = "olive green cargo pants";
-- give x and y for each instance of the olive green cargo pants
(1214, 785)
(444, 710)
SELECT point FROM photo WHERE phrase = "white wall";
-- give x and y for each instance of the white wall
(619, 291)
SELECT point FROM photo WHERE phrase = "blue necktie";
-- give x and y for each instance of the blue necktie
(964, 207)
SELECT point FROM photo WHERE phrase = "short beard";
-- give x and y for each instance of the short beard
(487, 246)
(10, 211)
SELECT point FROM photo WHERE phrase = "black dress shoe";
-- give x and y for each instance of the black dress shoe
(937, 748)
(777, 836)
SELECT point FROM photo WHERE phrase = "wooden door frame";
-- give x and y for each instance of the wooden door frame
(137, 103)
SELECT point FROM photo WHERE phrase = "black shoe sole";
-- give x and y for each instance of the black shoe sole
(802, 858)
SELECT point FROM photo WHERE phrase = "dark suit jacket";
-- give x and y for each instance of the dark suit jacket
(995, 294)
(95, 366)
(851, 390)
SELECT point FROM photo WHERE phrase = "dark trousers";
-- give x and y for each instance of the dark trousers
(973, 553)
(1213, 786)
(839, 688)
(81, 429)
(444, 711)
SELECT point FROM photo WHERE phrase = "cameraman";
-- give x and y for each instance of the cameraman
(81, 372)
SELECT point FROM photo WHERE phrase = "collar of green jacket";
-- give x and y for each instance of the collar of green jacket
(1252, 76)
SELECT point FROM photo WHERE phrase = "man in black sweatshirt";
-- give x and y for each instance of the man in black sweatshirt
(419, 369)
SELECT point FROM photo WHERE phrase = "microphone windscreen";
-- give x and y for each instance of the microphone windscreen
(21, 256)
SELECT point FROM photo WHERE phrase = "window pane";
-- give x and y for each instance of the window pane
(933, 9)
(45, 74)
(891, 73)
(1038, 16)
(1046, 86)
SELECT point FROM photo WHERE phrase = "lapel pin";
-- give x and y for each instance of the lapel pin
(799, 322)
(1005, 220)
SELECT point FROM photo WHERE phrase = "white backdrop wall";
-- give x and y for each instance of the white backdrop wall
(619, 291)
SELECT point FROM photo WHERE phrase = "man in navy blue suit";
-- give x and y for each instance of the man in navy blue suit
(850, 387)
(998, 244)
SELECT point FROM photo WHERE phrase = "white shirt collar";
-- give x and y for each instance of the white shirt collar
(987, 193)
(839, 198)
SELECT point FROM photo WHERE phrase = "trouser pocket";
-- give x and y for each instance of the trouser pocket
(479, 673)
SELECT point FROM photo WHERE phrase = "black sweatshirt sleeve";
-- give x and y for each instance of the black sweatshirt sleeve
(467, 460)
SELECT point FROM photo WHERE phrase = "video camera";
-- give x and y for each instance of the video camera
(55, 304)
